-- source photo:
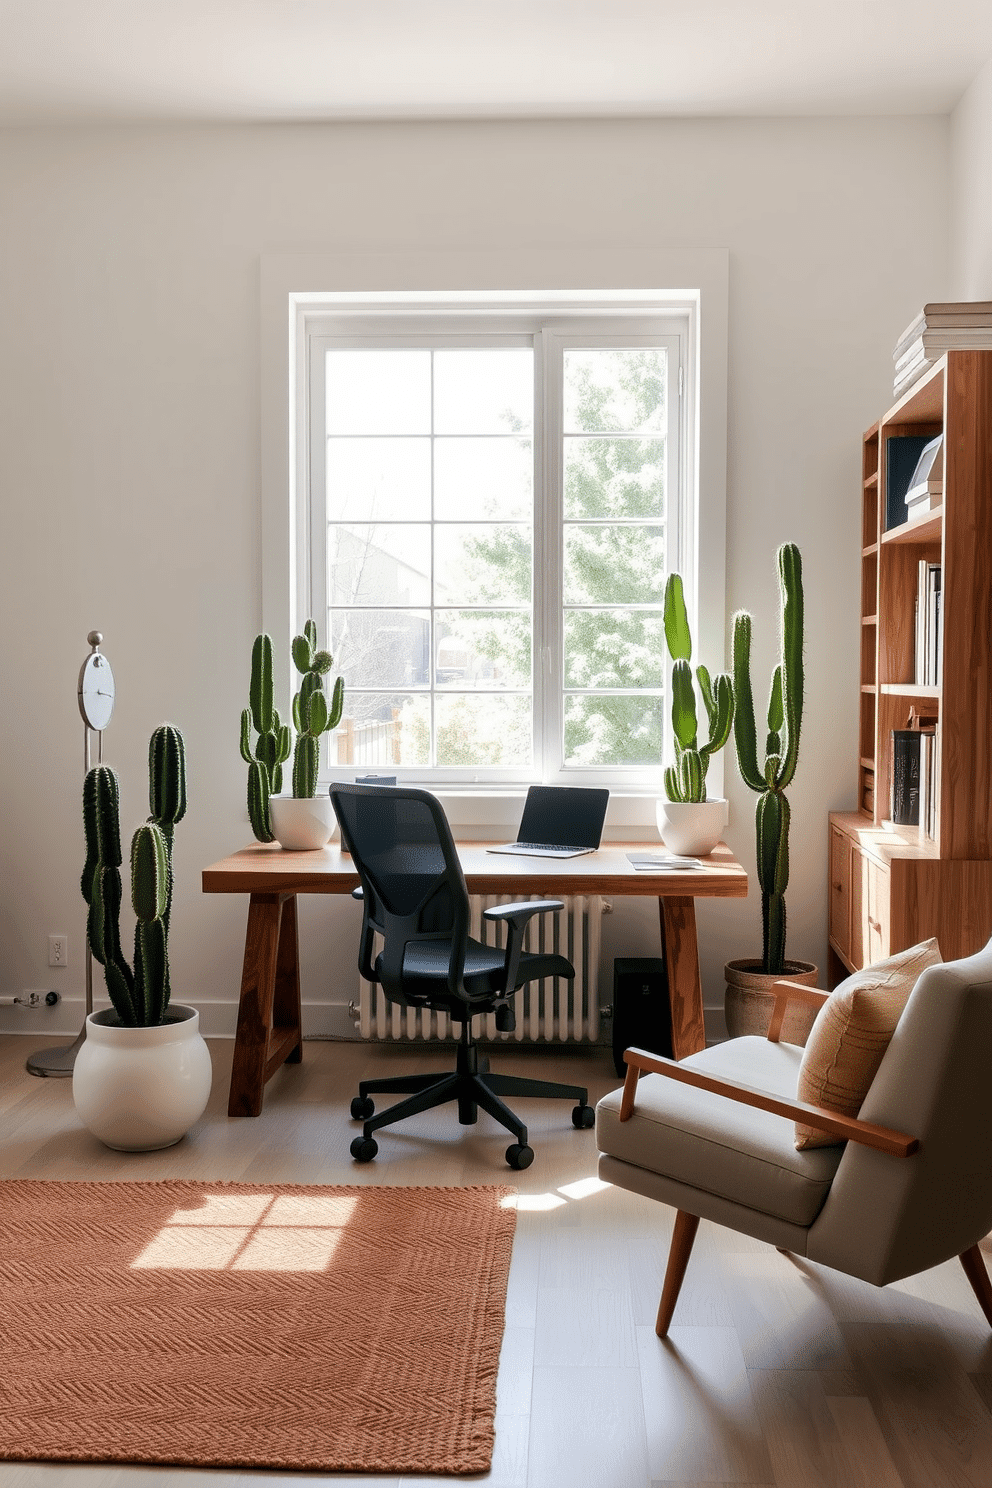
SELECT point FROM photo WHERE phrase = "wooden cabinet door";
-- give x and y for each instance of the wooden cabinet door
(859, 908)
(841, 850)
(878, 917)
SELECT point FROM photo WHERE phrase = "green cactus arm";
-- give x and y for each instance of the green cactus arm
(745, 737)
(120, 989)
(673, 789)
(302, 651)
(677, 632)
(683, 705)
(246, 751)
(791, 580)
(706, 689)
(284, 745)
(167, 775)
(149, 872)
(776, 717)
(260, 686)
(337, 703)
(318, 715)
(772, 762)
(721, 713)
(151, 992)
(322, 662)
(310, 633)
(258, 802)
(297, 722)
(691, 775)
(305, 762)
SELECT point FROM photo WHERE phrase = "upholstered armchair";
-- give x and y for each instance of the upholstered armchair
(906, 1182)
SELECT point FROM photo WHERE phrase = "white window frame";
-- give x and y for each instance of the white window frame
(286, 305)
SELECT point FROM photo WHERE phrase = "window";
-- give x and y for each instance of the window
(492, 504)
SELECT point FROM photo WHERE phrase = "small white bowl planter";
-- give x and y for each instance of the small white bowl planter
(139, 1089)
(302, 823)
(691, 828)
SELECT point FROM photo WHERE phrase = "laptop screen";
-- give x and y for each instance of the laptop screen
(564, 815)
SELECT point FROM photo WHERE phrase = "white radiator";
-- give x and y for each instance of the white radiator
(553, 1009)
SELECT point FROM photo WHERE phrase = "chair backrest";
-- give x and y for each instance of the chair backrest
(413, 885)
(887, 1217)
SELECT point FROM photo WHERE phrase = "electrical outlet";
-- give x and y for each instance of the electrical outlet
(58, 950)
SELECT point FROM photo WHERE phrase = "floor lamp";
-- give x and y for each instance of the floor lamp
(95, 695)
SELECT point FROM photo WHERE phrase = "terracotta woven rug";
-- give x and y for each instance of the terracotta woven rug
(348, 1329)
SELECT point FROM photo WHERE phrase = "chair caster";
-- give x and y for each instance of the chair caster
(583, 1116)
(518, 1156)
(364, 1149)
(362, 1107)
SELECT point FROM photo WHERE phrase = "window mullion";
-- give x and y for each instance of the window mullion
(548, 624)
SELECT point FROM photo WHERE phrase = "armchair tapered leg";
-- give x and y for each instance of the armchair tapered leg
(974, 1268)
(684, 1234)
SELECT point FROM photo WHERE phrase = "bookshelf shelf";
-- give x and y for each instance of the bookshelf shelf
(894, 886)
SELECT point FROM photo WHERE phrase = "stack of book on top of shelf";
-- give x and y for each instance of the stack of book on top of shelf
(944, 325)
(928, 625)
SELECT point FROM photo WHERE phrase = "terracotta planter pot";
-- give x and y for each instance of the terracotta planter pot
(748, 1002)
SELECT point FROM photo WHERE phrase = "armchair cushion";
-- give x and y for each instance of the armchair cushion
(710, 1143)
(852, 1031)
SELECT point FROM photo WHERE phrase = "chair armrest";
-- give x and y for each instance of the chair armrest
(520, 913)
(848, 1128)
(786, 992)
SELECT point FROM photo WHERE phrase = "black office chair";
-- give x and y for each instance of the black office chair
(414, 896)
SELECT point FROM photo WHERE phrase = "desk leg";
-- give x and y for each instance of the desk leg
(270, 989)
(685, 993)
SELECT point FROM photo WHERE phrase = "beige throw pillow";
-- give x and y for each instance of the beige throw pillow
(848, 1041)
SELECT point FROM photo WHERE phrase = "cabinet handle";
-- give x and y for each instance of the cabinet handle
(838, 887)
(874, 924)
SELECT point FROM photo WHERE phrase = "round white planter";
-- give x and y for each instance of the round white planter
(138, 1089)
(691, 828)
(302, 824)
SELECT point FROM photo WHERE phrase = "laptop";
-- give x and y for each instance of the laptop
(559, 821)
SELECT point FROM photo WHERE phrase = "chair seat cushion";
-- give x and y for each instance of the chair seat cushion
(709, 1142)
(425, 971)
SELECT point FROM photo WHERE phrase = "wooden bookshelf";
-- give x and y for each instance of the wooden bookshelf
(890, 888)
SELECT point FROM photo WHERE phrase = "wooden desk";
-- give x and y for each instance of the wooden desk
(269, 1029)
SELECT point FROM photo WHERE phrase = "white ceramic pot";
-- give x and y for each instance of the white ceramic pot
(302, 824)
(139, 1089)
(691, 828)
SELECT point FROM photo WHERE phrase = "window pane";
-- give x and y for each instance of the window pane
(481, 730)
(383, 730)
(483, 478)
(483, 648)
(614, 648)
(614, 565)
(378, 391)
(484, 390)
(615, 390)
(385, 564)
(613, 731)
(614, 477)
(378, 480)
(482, 563)
(381, 648)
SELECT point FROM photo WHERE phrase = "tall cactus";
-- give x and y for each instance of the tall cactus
(265, 760)
(785, 716)
(312, 714)
(140, 995)
(686, 779)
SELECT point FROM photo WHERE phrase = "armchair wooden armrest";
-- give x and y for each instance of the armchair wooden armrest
(847, 1128)
(785, 992)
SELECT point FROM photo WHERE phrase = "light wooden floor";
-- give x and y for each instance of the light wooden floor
(777, 1372)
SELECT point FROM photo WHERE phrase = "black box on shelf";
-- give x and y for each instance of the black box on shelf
(641, 1014)
(902, 455)
(905, 777)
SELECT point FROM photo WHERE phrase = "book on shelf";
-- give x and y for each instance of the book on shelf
(927, 480)
(928, 625)
(929, 780)
(902, 456)
(904, 807)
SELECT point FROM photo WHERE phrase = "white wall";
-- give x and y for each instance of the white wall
(971, 191)
(129, 444)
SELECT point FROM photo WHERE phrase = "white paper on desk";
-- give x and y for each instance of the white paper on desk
(662, 862)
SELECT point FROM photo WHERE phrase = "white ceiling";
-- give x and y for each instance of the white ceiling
(65, 60)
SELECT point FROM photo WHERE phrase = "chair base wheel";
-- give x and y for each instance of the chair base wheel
(362, 1107)
(519, 1157)
(583, 1117)
(364, 1149)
